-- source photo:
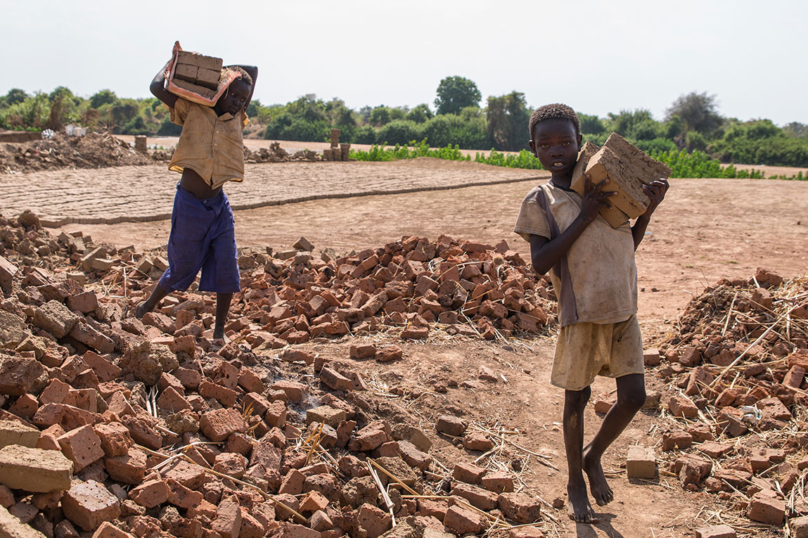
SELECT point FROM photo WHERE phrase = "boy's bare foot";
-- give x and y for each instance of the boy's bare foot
(598, 485)
(219, 336)
(579, 508)
(141, 310)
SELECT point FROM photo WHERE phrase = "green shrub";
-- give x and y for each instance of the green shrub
(399, 132)
(169, 129)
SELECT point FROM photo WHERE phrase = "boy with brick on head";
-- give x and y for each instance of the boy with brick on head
(593, 273)
(209, 154)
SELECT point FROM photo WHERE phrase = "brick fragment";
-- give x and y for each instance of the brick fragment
(83, 303)
(217, 425)
(21, 375)
(498, 482)
(294, 391)
(17, 433)
(520, 507)
(128, 469)
(228, 518)
(326, 414)
(231, 464)
(477, 441)
(451, 425)
(182, 497)
(798, 527)
(334, 380)
(150, 494)
(389, 354)
(88, 504)
(676, 439)
(250, 382)
(34, 470)
(640, 462)
(477, 497)
(682, 406)
(108, 530)
(413, 456)
(373, 521)
(651, 357)
(55, 318)
(115, 439)
(82, 446)
(463, 521)
(12, 527)
(468, 472)
(370, 437)
(766, 509)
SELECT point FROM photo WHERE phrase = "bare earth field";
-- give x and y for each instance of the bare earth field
(706, 229)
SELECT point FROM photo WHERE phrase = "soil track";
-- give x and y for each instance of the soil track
(707, 229)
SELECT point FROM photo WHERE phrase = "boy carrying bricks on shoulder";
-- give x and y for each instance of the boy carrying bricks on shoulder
(599, 332)
(209, 154)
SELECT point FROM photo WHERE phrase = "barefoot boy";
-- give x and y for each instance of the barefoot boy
(209, 154)
(592, 269)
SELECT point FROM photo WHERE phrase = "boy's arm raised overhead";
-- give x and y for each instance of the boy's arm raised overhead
(544, 253)
(157, 87)
(656, 192)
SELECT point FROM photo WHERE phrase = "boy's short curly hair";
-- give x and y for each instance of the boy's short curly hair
(245, 76)
(553, 111)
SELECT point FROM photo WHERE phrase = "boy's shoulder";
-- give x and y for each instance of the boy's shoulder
(548, 188)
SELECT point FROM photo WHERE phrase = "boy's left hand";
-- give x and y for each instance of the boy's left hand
(656, 192)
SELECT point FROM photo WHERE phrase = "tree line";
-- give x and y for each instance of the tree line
(458, 117)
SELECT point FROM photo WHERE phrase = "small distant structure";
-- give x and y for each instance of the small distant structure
(337, 151)
(141, 144)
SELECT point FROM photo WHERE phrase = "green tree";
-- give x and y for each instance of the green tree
(455, 94)
(339, 113)
(698, 111)
(380, 116)
(308, 108)
(591, 124)
(104, 97)
(420, 113)
(796, 129)
(508, 120)
(15, 96)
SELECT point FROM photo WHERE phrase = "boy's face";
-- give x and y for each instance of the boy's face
(556, 145)
(235, 97)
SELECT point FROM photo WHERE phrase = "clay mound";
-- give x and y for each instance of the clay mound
(736, 398)
(91, 151)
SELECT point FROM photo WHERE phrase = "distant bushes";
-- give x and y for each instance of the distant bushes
(692, 123)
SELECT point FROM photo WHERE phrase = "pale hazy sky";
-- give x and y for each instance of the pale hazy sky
(596, 56)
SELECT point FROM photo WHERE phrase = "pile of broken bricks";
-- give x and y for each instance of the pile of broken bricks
(117, 427)
(735, 401)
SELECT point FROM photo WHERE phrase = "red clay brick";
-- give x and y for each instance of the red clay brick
(89, 504)
(82, 446)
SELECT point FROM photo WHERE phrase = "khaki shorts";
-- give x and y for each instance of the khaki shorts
(587, 350)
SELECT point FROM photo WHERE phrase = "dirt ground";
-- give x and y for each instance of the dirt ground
(705, 230)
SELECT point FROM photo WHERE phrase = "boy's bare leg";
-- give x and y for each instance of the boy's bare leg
(574, 405)
(149, 304)
(630, 399)
(222, 308)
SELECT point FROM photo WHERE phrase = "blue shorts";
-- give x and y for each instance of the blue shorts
(202, 237)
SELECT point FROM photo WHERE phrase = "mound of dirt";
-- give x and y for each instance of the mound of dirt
(91, 151)
(736, 395)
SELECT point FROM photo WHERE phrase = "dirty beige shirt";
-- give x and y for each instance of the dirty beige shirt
(601, 261)
(210, 145)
